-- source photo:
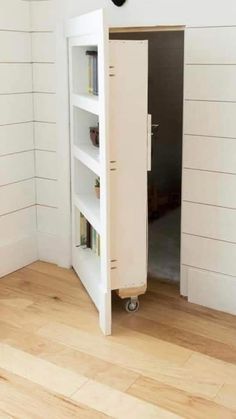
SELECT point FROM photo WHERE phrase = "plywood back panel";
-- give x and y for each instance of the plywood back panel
(128, 125)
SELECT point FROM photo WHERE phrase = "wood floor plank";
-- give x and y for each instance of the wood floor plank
(151, 366)
(188, 322)
(22, 399)
(32, 368)
(171, 359)
(186, 339)
(118, 404)
(227, 396)
(177, 401)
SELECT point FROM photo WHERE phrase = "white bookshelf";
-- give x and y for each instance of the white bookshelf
(89, 206)
(89, 156)
(120, 161)
(87, 102)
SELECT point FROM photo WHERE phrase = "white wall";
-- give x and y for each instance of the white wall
(44, 88)
(17, 186)
(209, 168)
(209, 130)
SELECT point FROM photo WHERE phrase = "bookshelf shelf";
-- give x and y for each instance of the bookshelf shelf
(88, 154)
(88, 267)
(87, 102)
(89, 205)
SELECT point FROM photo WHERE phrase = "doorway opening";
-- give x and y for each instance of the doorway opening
(165, 102)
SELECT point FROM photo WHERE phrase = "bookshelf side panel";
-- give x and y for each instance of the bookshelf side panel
(128, 143)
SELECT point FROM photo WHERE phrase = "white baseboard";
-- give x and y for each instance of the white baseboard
(16, 255)
(54, 249)
(213, 290)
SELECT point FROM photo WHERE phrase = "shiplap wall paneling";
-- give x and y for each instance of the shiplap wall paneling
(47, 221)
(17, 196)
(16, 167)
(211, 45)
(16, 138)
(213, 82)
(209, 168)
(45, 107)
(212, 188)
(212, 290)
(43, 15)
(17, 46)
(15, 78)
(46, 192)
(45, 136)
(213, 255)
(43, 47)
(209, 221)
(16, 108)
(44, 87)
(46, 164)
(214, 119)
(17, 226)
(44, 78)
(18, 245)
(198, 153)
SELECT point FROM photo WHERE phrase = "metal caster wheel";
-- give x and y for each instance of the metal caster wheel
(132, 305)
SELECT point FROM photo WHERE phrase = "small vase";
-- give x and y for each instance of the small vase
(97, 191)
(94, 136)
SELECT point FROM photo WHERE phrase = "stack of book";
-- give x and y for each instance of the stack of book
(89, 238)
(93, 72)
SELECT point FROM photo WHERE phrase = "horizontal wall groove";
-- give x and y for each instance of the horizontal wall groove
(211, 64)
(17, 181)
(208, 205)
(44, 150)
(208, 270)
(210, 171)
(16, 123)
(209, 101)
(211, 26)
(43, 93)
(15, 30)
(45, 122)
(46, 206)
(19, 209)
(17, 152)
(210, 136)
(207, 237)
(46, 178)
(49, 31)
(43, 62)
(16, 93)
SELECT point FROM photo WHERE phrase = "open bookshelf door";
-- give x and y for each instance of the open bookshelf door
(88, 43)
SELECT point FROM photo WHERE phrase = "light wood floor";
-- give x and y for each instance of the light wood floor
(171, 359)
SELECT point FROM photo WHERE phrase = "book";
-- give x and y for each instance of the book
(83, 230)
(92, 72)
